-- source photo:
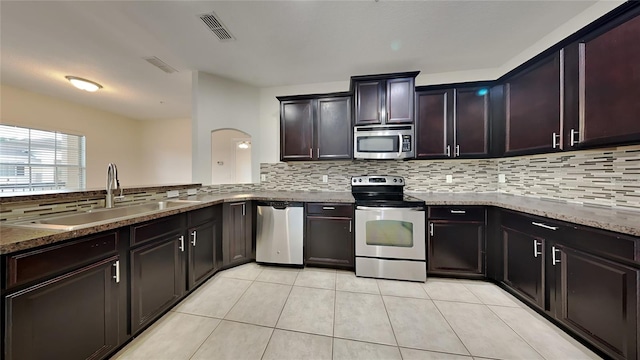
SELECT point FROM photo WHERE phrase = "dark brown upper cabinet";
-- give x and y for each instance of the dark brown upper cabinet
(384, 99)
(452, 122)
(603, 86)
(533, 101)
(316, 127)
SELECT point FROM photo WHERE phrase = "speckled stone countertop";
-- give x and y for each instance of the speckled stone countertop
(613, 219)
(13, 239)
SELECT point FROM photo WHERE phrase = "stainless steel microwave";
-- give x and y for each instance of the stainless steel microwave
(383, 142)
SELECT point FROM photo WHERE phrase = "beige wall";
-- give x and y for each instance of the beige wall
(166, 151)
(144, 151)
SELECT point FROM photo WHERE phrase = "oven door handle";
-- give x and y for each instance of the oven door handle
(417, 208)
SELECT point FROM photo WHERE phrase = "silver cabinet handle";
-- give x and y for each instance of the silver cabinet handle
(554, 259)
(328, 208)
(182, 243)
(556, 140)
(318, 153)
(458, 212)
(310, 152)
(350, 221)
(448, 150)
(535, 248)
(457, 150)
(573, 137)
(117, 275)
(194, 233)
(400, 145)
(431, 229)
(545, 226)
(243, 209)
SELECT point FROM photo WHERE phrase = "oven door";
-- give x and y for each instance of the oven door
(392, 233)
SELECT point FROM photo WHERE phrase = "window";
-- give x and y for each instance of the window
(33, 159)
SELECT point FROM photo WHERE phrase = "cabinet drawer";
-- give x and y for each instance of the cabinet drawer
(200, 216)
(604, 243)
(42, 263)
(329, 209)
(151, 230)
(469, 213)
(535, 226)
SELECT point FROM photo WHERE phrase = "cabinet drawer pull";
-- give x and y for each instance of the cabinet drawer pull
(535, 248)
(556, 140)
(117, 271)
(318, 153)
(243, 209)
(544, 226)
(310, 152)
(431, 229)
(182, 243)
(458, 212)
(573, 137)
(457, 150)
(554, 259)
(448, 150)
(350, 225)
(194, 234)
(328, 208)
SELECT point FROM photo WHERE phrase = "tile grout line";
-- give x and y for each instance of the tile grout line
(451, 327)
(273, 329)
(517, 333)
(205, 340)
(389, 318)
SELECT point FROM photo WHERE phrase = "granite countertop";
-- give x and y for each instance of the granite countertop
(13, 239)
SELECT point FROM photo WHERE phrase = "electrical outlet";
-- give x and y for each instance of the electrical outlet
(449, 179)
(325, 178)
(263, 177)
(502, 178)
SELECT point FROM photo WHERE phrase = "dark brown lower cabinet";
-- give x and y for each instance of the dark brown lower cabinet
(238, 243)
(455, 247)
(524, 264)
(205, 244)
(157, 278)
(598, 299)
(73, 316)
(329, 235)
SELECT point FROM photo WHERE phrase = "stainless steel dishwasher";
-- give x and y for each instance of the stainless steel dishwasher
(279, 232)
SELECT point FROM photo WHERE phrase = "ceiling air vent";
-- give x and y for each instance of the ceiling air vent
(216, 26)
(160, 64)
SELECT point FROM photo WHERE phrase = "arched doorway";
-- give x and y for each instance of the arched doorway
(230, 157)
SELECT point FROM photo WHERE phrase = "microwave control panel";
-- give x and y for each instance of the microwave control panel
(406, 143)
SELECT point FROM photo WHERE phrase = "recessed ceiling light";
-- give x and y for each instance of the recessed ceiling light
(83, 84)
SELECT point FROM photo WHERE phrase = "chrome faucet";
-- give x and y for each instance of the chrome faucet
(112, 179)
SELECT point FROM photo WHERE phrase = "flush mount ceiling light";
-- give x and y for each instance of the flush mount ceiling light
(83, 84)
(244, 144)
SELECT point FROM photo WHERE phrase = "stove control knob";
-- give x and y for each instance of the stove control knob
(400, 180)
(395, 180)
(360, 180)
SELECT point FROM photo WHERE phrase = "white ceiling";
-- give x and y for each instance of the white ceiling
(277, 43)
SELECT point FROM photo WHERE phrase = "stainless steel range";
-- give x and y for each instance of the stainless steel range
(389, 229)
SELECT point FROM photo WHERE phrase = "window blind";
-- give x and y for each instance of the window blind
(32, 159)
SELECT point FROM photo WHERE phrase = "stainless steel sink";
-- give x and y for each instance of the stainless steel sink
(99, 216)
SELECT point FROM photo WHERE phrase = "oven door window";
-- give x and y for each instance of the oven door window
(389, 233)
(377, 144)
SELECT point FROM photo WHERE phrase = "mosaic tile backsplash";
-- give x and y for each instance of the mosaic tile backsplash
(607, 177)
(420, 176)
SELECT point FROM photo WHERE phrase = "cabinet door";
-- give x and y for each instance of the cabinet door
(456, 247)
(471, 122)
(237, 232)
(369, 102)
(157, 278)
(296, 130)
(433, 118)
(609, 86)
(532, 112)
(74, 316)
(329, 241)
(203, 242)
(524, 264)
(599, 300)
(399, 104)
(335, 131)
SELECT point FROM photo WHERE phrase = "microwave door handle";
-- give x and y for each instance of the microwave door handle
(400, 145)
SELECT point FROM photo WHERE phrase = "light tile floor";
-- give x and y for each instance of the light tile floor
(266, 312)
